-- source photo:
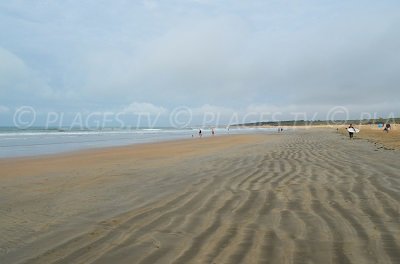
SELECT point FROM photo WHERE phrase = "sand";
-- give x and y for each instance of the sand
(309, 196)
(381, 139)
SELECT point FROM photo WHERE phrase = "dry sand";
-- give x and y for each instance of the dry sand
(310, 196)
(372, 133)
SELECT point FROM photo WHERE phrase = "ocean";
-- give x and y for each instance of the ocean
(39, 141)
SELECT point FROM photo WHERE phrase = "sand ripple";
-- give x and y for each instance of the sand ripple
(306, 198)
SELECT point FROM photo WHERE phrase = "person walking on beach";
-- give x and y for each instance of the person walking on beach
(387, 128)
(200, 134)
(351, 131)
(212, 131)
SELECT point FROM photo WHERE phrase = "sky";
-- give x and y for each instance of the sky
(262, 60)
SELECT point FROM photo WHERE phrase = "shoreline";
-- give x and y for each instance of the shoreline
(389, 141)
(139, 151)
(28, 144)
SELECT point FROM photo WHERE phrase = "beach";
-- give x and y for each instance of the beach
(372, 133)
(304, 196)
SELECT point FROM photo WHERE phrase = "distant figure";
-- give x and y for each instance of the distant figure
(351, 134)
(200, 134)
(387, 128)
(212, 131)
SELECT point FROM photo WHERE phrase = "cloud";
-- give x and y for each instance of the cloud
(4, 109)
(13, 71)
(150, 4)
(223, 59)
(188, 62)
(212, 109)
(18, 82)
(221, 56)
(144, 108)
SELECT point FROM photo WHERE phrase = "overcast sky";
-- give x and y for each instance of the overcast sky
(219, 56)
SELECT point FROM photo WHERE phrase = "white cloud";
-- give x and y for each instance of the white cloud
(257, 57)
(4, 109)
(195, 60)
(144, 108)
(212, 110)
(13, 71)
(223, 59)
(150, 4)
(18, 82)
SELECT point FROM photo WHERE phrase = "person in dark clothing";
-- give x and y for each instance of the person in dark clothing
(351, 131)
(387, 128)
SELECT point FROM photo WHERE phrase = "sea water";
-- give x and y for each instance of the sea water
(39, 141)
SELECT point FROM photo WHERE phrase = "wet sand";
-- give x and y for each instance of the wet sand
(309, 196)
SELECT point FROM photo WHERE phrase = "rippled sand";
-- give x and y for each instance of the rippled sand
(302, 197)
